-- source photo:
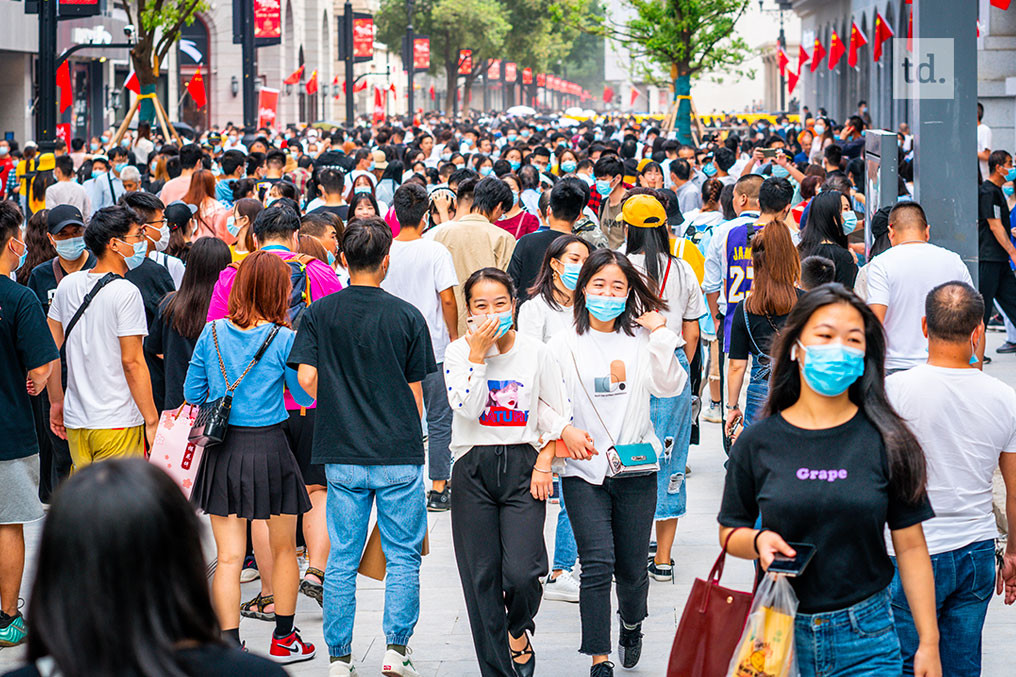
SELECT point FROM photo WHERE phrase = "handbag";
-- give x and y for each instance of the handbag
(710, 627)
(622, 459)
(212, 421)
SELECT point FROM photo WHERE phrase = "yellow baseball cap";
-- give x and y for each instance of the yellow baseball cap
(643, 211)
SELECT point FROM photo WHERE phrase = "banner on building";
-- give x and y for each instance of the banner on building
(527, 76)
(363, 37)
(268, 105)
(465, 62)
(541, 79)
(379, 104)
(510, 71)
(494, 69)
(421, 54)
(267, 19)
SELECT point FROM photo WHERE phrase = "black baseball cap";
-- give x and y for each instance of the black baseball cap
(178, 214)
(61, 216)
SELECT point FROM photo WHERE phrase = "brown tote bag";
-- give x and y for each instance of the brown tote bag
(710, 627)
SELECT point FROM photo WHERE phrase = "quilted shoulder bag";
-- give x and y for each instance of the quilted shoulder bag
(212, 421)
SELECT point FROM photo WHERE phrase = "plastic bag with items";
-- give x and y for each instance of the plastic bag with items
(766, 648)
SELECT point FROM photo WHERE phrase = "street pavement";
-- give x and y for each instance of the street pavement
(442, 644)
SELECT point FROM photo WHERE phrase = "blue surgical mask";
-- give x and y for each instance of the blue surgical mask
(138, 257)
(709, 169)
(504, 323)
(120, 166)
(512, 137)
(70, 250)
(780, 172)
(514, 164)
(361, 189)
(973, 353)
(849, 221)
(269, 201)
(93, 146)
(104, 138)
(446, 156)
(568, 166)
(1008, 189)
(603, 187)
(232, 226)
(605, 308)
(570, 276)
(373, 166)
(96, 173)
(22, 257)
(819, 130)
(1011, 176)
(830, 369)
(331, 258)
(515, 198)
(163, 243)
(485, 171)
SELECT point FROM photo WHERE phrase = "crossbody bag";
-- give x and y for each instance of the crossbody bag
(623, 459)
(212, 421)
(85, 302)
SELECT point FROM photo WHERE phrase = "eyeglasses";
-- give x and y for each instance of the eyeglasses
(157, 224)
(137, 236)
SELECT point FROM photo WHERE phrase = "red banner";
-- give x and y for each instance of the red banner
(510, 71)
(267, 19)
(527, 76)
(465, 61)
(268, 104)
(421, 54)
(63, 131)
(541, 79)
(363, 38)
(379, 104)
(494, 69)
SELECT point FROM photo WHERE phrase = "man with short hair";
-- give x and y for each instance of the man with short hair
(66, 190)
(190, 158)
(26, 349)
(232, 163)
(689, 196)
(107, 410)
(608, 192)
(363, 354)
(995, 279)
(275, 167)
(322, 227)
(900, 279)
(423, 273)
(103, 189)
(965, 422)
(473, 239)
(564, 209)
(330, 182)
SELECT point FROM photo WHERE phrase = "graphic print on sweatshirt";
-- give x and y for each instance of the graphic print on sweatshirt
(507, 404)
(614, 383)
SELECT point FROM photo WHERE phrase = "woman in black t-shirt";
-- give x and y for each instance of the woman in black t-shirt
(830, 220)
(831, 465)
(758, 318)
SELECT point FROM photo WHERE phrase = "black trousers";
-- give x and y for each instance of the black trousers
(497, 530)
(54, 454)
(612, 524)
(996, 282)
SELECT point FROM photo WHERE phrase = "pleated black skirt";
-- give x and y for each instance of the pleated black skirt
(253, 475)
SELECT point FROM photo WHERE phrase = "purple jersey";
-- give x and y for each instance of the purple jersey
(737, 282)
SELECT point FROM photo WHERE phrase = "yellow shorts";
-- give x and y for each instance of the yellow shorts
(100, 444)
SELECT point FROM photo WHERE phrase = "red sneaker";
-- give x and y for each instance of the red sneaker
(290, 649)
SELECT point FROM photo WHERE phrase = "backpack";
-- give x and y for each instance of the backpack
(299, 297)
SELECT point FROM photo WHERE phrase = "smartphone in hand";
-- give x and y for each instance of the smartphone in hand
(793, 566)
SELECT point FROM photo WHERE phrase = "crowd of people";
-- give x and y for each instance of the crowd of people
(531, 311)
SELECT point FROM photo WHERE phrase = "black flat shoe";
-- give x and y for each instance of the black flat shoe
(629, 646)
(528, 668)
(605, 669)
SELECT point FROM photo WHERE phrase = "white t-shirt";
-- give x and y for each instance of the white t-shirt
(900, 279)
(539, 320)
(418, 272)
(983, 143)
(97, 393)
(175, 266)
(682, 292)
(606, 364)
(963, 419)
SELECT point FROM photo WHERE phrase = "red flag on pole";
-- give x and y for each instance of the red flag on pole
(312, 85)
(379, 105)
(196, 88)
(391, 87)
(1001, 4)
(608, 94)
(802, 58)
(836, 50)
(63, 81)
(857, 40)
(883, 32)
(792, 79)
(295, 77)
(782, 61)
(432, 95)
(817, 54)
(910, 33)
(634, 96)
(335, 87)
(132, 83)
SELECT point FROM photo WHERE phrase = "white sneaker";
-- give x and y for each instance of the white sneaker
(341, 669)
(395, 664)
(713, 414)
(564, 588)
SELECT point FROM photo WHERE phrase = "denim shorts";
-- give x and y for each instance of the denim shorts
(859, 641)
(671, 417)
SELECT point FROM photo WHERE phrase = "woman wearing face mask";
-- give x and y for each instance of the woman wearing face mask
(513, 156)
(41, 249)
(517, 220)
(568, 162)
(506, 396)
(362, 185)
(617, 355)
(483, 165)
(210, 217)
(245, 210)
(390, 182)
(830, 220)
(823, 130)
(830, 465)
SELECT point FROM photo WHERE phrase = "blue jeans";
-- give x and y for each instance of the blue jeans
(858, 641)
(758, 392)
(565, 550)
(402, 520)
(964, 582)
(671, 417)
(439, 425)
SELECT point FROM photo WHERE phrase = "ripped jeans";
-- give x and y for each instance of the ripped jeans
(671, 417)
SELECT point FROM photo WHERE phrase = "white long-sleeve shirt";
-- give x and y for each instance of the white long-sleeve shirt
(539, 320)
(516, 397)
(616, 373)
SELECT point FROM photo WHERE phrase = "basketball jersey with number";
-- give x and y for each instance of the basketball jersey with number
(740, 273)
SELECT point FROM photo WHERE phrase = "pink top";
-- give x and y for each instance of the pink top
(521, 224)
(323, 281)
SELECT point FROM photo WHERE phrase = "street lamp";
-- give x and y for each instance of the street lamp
(781, 5)
(234, 85)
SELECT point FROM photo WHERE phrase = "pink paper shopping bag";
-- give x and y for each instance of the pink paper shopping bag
(171, 450)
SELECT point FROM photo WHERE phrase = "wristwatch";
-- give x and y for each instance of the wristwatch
(733, 407)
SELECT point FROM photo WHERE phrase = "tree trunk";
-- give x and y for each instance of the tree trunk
(682, 94)
(147, 77)
(451, 79)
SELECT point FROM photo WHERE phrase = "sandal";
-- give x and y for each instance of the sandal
(255, 608)
(314, 590)
(528, 668)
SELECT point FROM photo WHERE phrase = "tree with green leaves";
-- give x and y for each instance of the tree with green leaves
(479, 25)
(158, 24)
(687, 38)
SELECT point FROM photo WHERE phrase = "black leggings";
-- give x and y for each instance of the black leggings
(612, 524)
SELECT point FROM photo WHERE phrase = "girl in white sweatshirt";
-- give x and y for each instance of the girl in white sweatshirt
(508, 403)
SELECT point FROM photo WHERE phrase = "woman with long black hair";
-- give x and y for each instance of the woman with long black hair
(107, 524)
(549, 308)
(617, 355)
(830, 220)
(829, 466)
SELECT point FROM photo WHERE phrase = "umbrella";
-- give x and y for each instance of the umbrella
(521, 111)
(574, 111)
(326, 124)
